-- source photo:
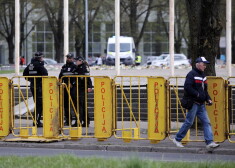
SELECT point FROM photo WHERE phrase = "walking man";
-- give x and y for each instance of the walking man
(195, 88)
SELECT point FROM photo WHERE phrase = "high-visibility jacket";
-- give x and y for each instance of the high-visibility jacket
(138, 59)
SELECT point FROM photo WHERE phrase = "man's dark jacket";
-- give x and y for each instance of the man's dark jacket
(195, 86)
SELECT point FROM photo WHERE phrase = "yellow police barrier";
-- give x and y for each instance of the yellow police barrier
(157, 109)
(4, 107)
(134, 106)
(72, 105)
(100, 104)
(216, 112)
(24, 126)
(51, 117)
(103, 107)
(230, 109)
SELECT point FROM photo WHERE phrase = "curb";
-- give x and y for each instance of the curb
(195, 150)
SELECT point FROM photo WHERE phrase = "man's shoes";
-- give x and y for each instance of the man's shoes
(212, 145)
(177, 143)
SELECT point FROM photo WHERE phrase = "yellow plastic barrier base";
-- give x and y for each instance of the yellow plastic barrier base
(127, 135)
(101, 139)
(136, 133)
(186, 138)
(33, 139)
(154, 141)
(76, 133)
(24, 132)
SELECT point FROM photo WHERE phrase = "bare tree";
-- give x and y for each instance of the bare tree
(135, 10)
(7, 30)
(205, 30)
(54, 12)
(77, 13)
(7, 20)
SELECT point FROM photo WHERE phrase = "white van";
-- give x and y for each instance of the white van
(127, 51)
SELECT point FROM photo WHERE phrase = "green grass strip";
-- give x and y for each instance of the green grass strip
(71, 161)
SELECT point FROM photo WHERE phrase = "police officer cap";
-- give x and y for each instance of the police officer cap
(38, 54)
(202, 59)
(80, 58)
(69, 55)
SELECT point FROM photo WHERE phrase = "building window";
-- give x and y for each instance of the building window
(43, 39)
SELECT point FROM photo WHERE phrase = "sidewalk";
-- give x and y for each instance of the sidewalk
(113, 144)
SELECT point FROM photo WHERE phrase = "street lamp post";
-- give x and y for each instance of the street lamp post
(17, 36)
(86, 27)
(117, 35)
(66, 28)
(228, 36)
(171, 35)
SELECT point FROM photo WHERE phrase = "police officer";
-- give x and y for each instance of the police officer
(84, 85)
(138, 60)
(67, 70)
(36, 68)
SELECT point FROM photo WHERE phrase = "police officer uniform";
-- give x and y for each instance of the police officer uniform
(68, 70)
(138, 60)
(81, 87)
(36, 68)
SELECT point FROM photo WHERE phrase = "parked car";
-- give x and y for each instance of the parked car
(164, 60)
(151, 58)
(49, 61)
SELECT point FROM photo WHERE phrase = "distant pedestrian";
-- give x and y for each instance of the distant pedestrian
(196, 94)
(90, 61)
(98, 61)
(22, 61)
(138, 60)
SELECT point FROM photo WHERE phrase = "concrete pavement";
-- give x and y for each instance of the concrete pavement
(113, 144)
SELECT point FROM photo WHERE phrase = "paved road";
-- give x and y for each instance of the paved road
(9, 151)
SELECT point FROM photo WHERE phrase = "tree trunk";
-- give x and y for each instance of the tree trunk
(205, 29)
(11, 48)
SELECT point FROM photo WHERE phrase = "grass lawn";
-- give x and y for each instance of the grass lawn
(8, 71)
(70, 161)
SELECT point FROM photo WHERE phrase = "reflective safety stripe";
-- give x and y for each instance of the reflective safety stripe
(33, 72)
(68, 73)
(198, 78)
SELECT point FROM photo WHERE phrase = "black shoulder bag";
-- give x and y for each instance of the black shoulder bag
(187, 102)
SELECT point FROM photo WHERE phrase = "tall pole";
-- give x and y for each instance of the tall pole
(228, 36)
(86, 34)
(117, 36)
(17, 36)
(66, 28)
(171, 36)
